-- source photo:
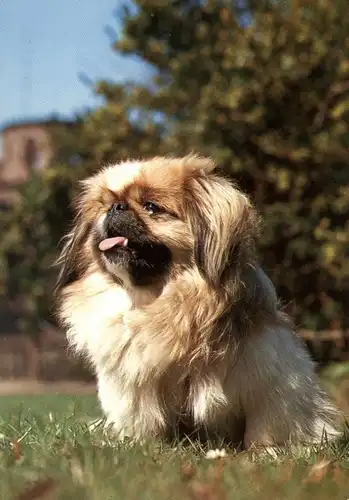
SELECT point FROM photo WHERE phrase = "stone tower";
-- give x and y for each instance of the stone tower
(26, 149)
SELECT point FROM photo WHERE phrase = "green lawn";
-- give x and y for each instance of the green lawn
(43, 405)
(48, 451)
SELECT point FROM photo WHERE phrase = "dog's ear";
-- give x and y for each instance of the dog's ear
(224, 225)
(71, 260)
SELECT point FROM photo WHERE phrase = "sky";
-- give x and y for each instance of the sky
(45, 45)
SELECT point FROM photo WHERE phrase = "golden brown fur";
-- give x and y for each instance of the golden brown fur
(202, 343)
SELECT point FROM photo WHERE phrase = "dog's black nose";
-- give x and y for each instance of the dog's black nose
(121, 206)
(119, 217)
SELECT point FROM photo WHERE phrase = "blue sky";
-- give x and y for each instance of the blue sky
(45, 44)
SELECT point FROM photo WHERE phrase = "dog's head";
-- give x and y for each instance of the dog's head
(142, 222)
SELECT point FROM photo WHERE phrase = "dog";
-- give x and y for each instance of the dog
(160, 289)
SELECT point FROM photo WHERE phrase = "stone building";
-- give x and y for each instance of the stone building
(26, 148)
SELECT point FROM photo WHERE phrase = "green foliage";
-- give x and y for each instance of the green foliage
(33, 229)
(269, 101)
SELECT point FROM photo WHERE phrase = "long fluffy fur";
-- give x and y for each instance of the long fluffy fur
(207, 347)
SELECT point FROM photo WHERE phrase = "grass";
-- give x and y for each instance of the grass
(58, 404)
(49, 451)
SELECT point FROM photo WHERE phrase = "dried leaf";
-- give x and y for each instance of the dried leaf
(40, 490)
(202, 491)
(318, 471)
(188, 470)
(16, 450)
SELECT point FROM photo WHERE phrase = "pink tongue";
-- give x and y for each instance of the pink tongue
(111, 242)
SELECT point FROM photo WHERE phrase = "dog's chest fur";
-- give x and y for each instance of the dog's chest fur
(97, 317)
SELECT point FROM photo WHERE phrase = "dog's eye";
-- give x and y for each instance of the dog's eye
(152, 208)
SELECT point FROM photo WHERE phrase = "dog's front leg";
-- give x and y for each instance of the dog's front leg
(132, 412)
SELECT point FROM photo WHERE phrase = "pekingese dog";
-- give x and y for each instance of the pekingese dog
(160, 288)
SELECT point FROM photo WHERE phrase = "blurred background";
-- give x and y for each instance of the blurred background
(261, 86)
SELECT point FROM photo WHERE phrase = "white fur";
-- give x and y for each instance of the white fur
(123, 176)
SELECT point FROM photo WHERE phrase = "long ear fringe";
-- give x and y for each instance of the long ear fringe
(225, 227)
(69, 261)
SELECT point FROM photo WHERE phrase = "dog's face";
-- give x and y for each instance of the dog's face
(125, 244)
(142, 222)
